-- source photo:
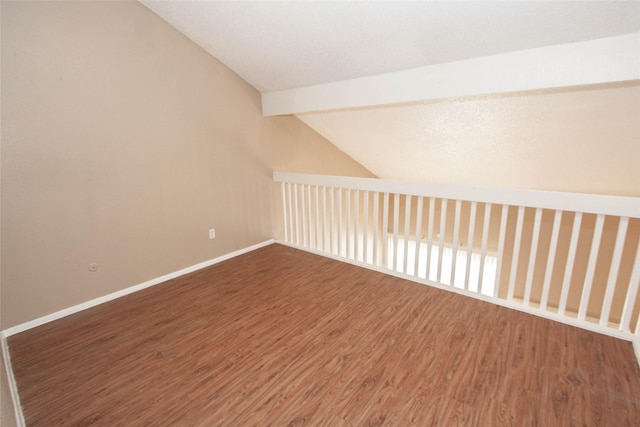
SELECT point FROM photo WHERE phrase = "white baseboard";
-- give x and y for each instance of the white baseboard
(13, 388)
(97, 301)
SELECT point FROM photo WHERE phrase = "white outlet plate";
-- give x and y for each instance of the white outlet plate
(212, 233)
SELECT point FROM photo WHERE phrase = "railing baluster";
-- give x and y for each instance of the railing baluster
(385, 230)
(503, 232)
(418, 237)
(553, 245)
(532, 256)
(283, 186)
(348, 222)
(407, 223)
(303, 214)
(516, 253)
(613, 270)
(432, 207)
(340, 245)
(375, 227)
(356, 224)
(591, 268)
(571, 257)
(296, 210)
(456, 233)
(317, 217)
(483, 247)
(632, 292)
(443, 222)
(290, 208)
(472, 225)
(324, 218)
(332, 221)
(365, 228)
(310, 220)
(396, 221)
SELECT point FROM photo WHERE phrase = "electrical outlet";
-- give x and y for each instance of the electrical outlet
(212, 233)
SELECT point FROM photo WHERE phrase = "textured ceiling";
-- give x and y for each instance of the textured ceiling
(284, 45)
(557, 140)
(549, 140)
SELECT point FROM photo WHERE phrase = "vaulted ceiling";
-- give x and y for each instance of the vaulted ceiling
(399, 79)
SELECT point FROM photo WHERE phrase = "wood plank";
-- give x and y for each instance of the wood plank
(283, 337)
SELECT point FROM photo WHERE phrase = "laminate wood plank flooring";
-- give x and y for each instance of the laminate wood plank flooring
(281, 337)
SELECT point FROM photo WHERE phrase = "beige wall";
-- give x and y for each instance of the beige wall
(582, 140)
(122, 144)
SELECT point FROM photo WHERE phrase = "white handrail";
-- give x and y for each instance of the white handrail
(579, 202)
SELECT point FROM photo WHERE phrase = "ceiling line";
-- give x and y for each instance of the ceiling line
(607, 60)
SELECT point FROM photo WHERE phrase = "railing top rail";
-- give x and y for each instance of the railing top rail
(576, 202)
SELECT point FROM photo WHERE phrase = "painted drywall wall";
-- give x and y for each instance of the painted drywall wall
(581, 140)
(122, 144)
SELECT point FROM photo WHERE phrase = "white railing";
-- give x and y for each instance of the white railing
(566, 256)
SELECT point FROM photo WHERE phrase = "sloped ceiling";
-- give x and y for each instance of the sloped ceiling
(290, 44)
(296, 48)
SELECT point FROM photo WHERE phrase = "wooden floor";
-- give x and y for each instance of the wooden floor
(285, 338)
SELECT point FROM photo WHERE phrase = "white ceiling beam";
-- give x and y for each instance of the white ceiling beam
(608, 60)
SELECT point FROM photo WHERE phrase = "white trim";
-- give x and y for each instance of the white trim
(97, 301)
(593, 62)
(556, 200)
(636, 347)
(13, 387)
(590, 326)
